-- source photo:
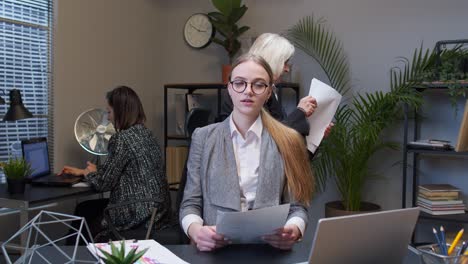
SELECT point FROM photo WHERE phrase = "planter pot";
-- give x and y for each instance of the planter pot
(336, 208)
(226, 72)
(16, 186)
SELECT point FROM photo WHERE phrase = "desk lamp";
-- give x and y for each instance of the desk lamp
(17, 110)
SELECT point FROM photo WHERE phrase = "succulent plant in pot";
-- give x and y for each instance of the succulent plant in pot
(118, 256)
(16, 170)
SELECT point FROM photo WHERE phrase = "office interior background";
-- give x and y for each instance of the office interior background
(100, 44)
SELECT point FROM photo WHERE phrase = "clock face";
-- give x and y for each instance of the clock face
(198, 31)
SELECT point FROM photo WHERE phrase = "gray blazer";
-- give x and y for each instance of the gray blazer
(213, 182)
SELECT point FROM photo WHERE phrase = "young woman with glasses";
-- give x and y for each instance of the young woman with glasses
(249, 161)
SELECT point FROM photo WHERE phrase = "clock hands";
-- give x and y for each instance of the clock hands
(197, 28)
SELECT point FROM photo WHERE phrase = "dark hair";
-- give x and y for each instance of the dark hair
(128, 110)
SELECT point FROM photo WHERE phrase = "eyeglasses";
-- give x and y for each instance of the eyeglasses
(240, 86)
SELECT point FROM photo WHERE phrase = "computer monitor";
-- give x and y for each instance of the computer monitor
(36, 153)
(370, 238)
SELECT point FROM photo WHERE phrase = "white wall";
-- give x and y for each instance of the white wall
(99, 45)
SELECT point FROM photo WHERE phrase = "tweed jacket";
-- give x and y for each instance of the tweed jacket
(213, 182)
(134, 170)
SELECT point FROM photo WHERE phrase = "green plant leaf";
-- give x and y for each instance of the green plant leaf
(132, 256)
(16, 168)
(242, 30)
(315, 39)
(222, 28)
(218, 17)
(226, 6)
(109, 258)
(218, 41)
(237, 14)
(122, 249)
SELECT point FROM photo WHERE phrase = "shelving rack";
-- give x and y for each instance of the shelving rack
(418, 154)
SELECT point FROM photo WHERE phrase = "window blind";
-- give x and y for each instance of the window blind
(26, 65)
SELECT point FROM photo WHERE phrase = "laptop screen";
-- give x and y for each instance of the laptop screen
(36, 154)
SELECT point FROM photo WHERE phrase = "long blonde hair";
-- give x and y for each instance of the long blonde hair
(299, 177)
(290, 143)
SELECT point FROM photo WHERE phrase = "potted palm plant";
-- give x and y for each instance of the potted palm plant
(16, 170)
(360, 121)
(228, 32)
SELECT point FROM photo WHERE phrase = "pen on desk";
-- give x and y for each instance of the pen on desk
(464, 251)
(455, 241)
(441, 250)
(442, 240)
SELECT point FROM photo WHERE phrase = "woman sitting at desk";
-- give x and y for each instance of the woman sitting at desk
(249, 161)
(133, 170)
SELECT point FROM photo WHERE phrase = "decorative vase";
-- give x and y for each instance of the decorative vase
(336, 208)
(16, 186)
(226, 72)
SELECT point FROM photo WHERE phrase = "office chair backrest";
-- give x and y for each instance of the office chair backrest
(197, 117)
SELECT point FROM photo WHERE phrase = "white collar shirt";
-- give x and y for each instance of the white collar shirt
(247, 155)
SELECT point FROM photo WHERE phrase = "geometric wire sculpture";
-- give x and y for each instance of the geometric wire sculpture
(42, 246)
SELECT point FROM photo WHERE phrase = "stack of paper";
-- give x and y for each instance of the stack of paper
(440, 199)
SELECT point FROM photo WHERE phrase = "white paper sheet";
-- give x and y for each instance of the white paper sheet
(250, 226)
(155, 254)
(328, 100)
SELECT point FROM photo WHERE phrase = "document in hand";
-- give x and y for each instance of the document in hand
(248, 227)
(155, 254)
(328, 100)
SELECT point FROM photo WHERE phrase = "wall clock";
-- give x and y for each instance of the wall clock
(198, 31)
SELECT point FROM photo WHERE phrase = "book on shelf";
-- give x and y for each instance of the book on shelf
(441, 212)
(442, 207)
(435, 144)
(442, 196)
(439, 202)
(438, 188)
(462, 141)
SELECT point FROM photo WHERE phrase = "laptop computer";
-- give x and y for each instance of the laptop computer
(381, 237)
(36, 153)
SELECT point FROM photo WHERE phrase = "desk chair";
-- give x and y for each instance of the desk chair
(169, 236)
(197, 117)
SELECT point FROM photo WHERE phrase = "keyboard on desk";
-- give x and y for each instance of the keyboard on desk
(65, 180)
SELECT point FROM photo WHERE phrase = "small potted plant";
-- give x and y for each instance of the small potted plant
(225, 23)
(16, 170)
(118, 256)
